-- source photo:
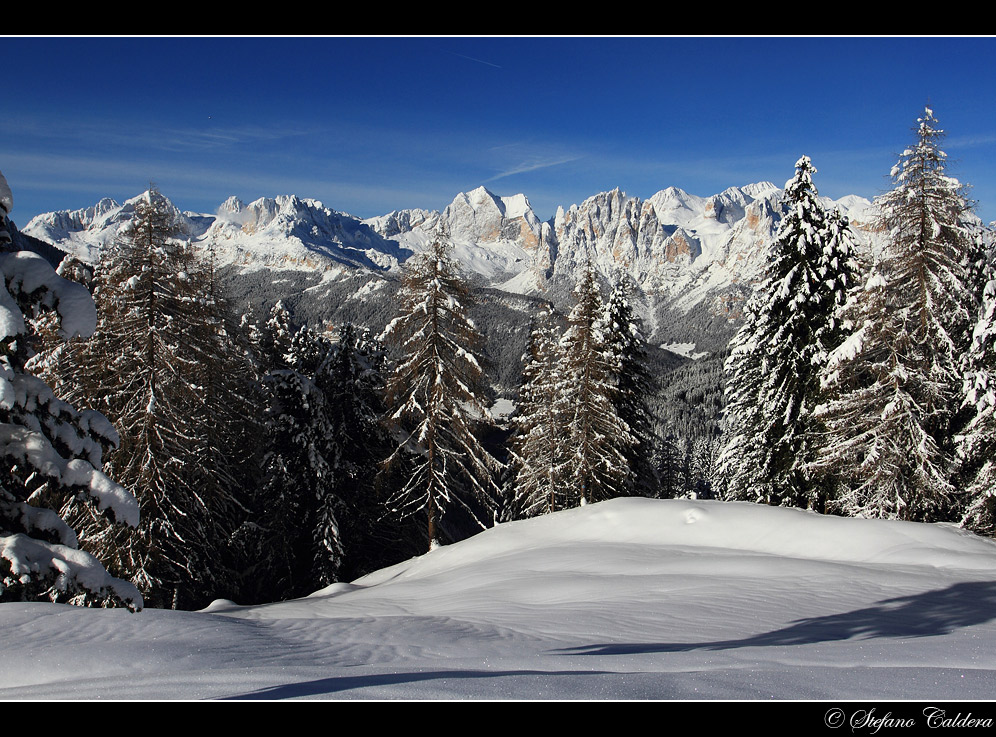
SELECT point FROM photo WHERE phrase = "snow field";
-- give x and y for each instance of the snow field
(630, 598)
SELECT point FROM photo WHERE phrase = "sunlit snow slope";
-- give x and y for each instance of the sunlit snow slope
(632, 598)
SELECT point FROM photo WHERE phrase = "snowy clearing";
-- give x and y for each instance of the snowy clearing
(626, 599)
(685, 349)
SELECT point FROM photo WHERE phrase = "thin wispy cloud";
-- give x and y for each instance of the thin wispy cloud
(200, 188)
(471, 58)
(521, 157)
(147, 135)
(969, 141)
(371, 124)
(197, 140)
(534, 165)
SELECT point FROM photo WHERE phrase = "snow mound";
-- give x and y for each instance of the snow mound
(624, 599)
(731, 526)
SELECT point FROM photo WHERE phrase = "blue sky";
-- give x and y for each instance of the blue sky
(370, 125)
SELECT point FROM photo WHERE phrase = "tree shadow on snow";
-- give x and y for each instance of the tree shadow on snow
(333, 685)
(928, 614)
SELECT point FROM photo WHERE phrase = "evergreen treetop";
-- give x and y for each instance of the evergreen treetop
(633, 384)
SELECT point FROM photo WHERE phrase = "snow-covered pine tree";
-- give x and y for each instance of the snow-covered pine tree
(668, 462)
(842, 267)
(315, 516)
(978, 266)
(896, 383)
(743, 458)
(435, 395)
(315, 357)
(621, 329)
(49, 450)
(773, 371)
(271, 341)
(539, 445)
(49, 363)
(295, 498)
(597, 467)
(145, 367)
(977, 446)
(355, 398)
(704, 451)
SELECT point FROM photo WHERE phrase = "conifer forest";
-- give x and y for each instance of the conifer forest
(166, 443)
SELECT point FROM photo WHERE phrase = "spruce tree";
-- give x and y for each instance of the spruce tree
(436, 397)
(541, 430)
(633, 385)
(896, 381)
(978, 266)
(667, 460)
(355, 397)
(743, 460)
(50, 452)
(597, 467)
(314, 357)
(316, 518)
(301, 455)
(773, 371)
(271, 341)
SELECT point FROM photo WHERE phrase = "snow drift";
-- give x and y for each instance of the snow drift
(631, 598)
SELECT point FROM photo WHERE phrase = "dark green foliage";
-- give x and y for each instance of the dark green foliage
(317, 509)
(354, 392)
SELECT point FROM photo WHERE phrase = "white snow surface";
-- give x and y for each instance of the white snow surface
(626, 599)
(27, 272)
(685, 349)
(503, 409)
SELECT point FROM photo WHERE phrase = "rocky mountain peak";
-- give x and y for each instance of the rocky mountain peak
(678, 246)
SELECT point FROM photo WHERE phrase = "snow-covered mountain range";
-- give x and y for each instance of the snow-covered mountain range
(680, 248)
(283, 232)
